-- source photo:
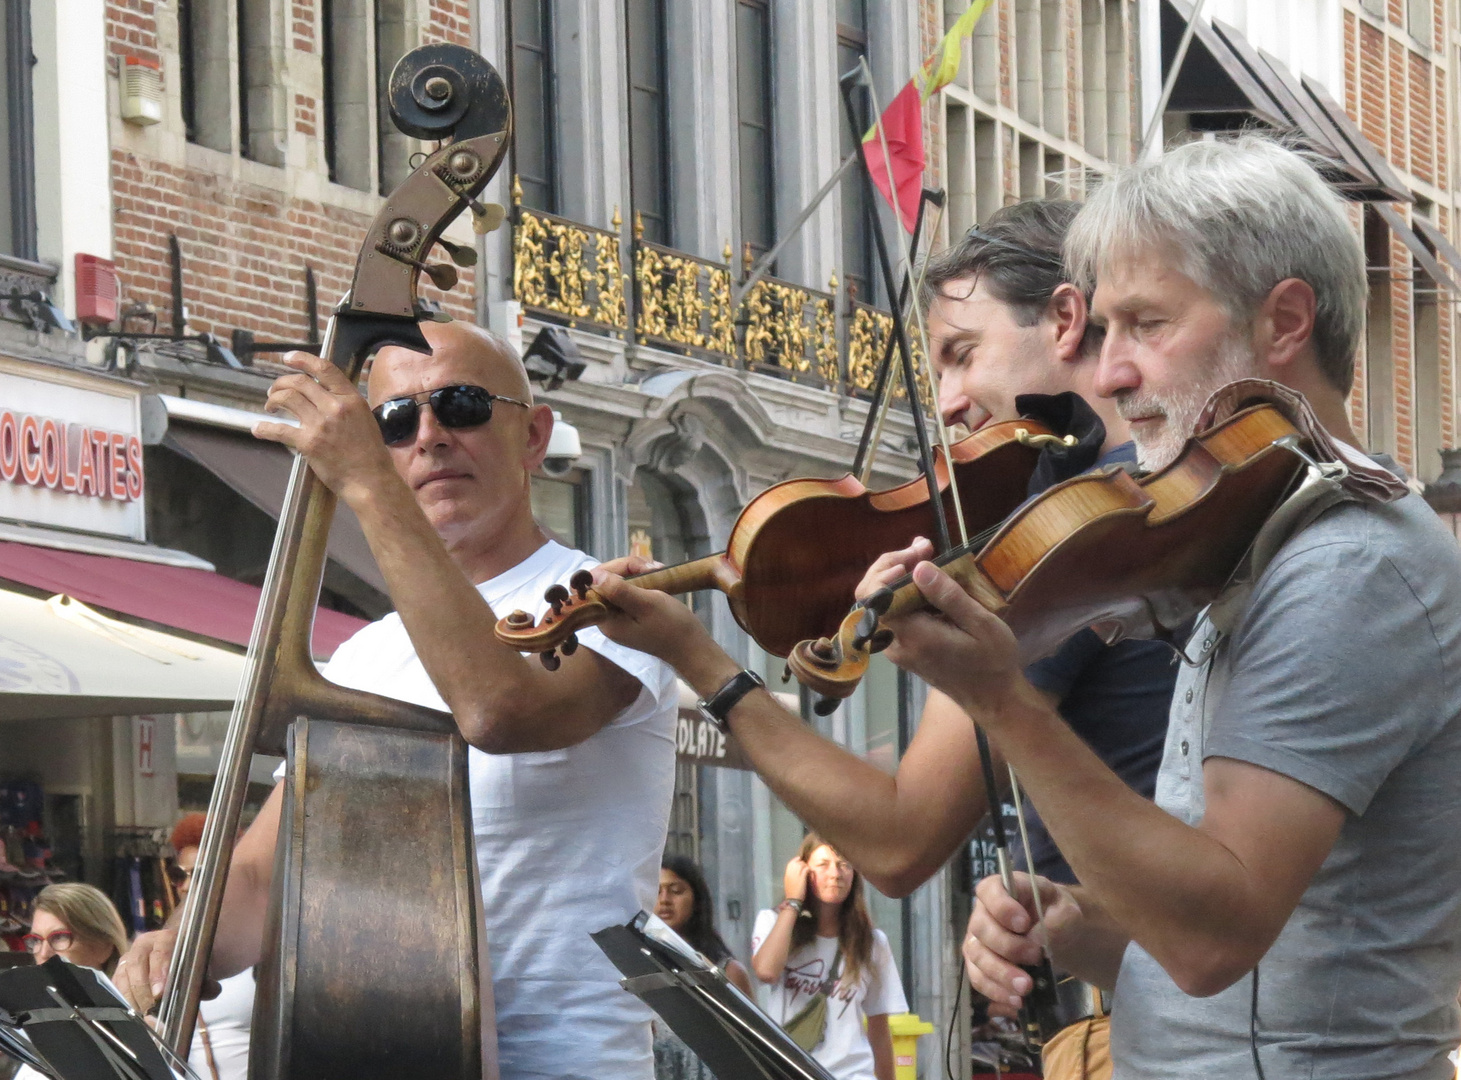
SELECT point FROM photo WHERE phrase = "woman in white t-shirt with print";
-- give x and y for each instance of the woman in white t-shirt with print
(795, 947)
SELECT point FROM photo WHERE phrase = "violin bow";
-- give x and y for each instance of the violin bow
(1037, 1014)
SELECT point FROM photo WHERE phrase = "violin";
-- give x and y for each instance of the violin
(797, 551)
(1128, 557)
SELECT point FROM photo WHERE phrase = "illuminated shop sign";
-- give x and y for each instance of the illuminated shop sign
(70, 452)
(44, 451)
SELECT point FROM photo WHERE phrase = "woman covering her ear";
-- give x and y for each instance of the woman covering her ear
(828, 968)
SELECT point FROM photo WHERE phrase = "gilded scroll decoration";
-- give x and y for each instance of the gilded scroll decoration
(682, 301)
(564, 269)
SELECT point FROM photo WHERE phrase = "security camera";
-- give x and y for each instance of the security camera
(564, 447)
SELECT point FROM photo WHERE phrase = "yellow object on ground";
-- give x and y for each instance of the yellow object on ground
(905, 1029)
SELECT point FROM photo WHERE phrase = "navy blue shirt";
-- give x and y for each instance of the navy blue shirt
(1116, 698)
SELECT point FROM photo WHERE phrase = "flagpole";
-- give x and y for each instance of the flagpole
(900, 328)
(893, 194)
(763, 264)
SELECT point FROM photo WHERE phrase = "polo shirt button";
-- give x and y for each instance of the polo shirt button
(1184, 747)
(1189, 697)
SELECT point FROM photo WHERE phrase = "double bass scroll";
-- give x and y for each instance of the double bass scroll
(374, 958)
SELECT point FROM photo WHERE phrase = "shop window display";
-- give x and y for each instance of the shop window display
(25, 858)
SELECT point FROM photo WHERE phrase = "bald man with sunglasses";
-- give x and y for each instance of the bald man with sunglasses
(571, 771)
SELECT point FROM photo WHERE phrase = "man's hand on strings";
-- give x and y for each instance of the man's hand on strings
(336, 431)
(142, 973)
(1003, 937)
(960, 648)
(888, 568)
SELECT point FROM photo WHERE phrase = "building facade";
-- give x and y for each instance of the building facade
(225, 159)
(227, 155)
(1371, 87)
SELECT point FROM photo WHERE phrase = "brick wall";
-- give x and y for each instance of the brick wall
(1397, 93)
(247, 231)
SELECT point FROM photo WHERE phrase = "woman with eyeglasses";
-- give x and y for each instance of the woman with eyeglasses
(221, 1044)
(79, 924)
(820, 941)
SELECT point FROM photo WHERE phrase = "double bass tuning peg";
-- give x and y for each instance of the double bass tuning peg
(460, 254)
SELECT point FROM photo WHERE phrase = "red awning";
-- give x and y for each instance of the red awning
(195, 601)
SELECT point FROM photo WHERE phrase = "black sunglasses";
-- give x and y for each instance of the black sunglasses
(453, 406)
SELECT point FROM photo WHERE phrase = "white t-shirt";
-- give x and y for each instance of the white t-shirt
(844, 1051)
(568, 843)
(230, 1018)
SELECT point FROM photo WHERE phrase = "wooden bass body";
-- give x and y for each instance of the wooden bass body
(374, 945)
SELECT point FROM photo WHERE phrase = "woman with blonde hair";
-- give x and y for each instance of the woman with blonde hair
(78, 923)
(828, 969)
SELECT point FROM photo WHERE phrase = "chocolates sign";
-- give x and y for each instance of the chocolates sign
(45, 451)
(70, 454)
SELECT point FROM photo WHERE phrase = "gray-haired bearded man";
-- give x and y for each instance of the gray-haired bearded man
(1291, 906)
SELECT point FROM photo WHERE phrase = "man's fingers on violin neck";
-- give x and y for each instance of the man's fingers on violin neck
(631, 564)
(947, 595)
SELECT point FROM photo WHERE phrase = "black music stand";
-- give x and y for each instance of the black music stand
(735, 1039)
(77, 1025)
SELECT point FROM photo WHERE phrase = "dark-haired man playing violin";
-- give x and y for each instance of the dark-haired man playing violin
(1002, 321)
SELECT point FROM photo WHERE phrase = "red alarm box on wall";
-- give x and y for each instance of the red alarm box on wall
(96, 290)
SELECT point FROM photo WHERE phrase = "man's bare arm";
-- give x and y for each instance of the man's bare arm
(897, 830)
(239, 941)
(502, 701)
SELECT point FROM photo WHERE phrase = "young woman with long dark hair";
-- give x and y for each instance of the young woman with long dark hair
(820, 939)
(686, 907)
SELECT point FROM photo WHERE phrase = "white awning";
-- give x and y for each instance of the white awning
(60, 659)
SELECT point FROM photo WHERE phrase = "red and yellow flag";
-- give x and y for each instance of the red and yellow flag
(902, 121)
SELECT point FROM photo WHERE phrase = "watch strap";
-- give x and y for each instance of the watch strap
(718, 705)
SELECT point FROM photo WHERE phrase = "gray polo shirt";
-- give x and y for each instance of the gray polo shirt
(1344, 672)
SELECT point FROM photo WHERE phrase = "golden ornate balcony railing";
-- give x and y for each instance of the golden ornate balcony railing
(867, 339)
(564, 269)
(682, 301)
(568, 272)
(793, 330)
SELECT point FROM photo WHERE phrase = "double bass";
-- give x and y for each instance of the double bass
(375, 964)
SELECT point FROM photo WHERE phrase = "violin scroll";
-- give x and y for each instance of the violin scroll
(569, 612)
